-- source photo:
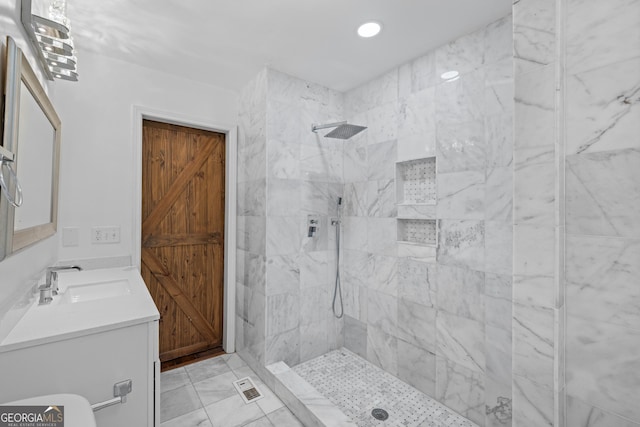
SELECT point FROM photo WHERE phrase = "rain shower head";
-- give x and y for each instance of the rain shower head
(342, 130)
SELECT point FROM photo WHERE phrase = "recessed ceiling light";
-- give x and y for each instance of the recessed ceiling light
(450, 75)
(369, 29)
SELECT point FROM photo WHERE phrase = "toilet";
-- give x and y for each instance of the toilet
(77, 409)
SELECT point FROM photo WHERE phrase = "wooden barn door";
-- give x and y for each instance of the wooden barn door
(183, 181)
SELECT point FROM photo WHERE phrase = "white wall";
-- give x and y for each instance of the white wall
(19, 271)
(97, 180)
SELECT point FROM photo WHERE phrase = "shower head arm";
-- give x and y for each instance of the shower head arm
(315, 128)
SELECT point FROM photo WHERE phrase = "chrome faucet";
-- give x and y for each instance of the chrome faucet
(50, 287)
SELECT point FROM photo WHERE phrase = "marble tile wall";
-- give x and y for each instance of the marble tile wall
(576, 194)
(251, 222)
(441, 323)
(602, 204)
(287, 173)
(538, 214)
(304, 177)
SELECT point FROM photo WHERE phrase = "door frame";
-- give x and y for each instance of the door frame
(141, 113)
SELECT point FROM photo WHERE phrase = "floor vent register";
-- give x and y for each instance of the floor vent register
(247, 390)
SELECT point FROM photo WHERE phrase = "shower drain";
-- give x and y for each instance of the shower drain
(380, 414)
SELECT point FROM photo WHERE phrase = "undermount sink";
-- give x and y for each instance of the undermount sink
(95, 291)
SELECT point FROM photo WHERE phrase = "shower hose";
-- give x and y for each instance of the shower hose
(337, 291)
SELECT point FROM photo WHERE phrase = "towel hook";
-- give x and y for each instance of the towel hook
(5, 162)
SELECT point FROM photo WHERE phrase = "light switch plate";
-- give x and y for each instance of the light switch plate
(101, 235)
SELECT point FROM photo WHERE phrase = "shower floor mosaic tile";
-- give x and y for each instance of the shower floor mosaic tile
(357, 387)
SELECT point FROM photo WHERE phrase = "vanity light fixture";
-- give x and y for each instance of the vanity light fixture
(65, 62)
(61, 73)
(450, 76)
(369, 29)
(64, 48)
(51, 39)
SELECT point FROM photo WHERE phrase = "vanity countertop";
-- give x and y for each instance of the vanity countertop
(120, 299)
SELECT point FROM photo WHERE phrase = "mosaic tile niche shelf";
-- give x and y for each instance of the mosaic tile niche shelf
(418, 231)
(358, 387)
(416, 180)
(416, 200)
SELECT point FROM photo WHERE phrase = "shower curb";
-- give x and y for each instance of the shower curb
(311, 407)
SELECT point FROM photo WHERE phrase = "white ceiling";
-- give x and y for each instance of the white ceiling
(226, 42)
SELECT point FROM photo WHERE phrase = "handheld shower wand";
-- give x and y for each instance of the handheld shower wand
(337, 290)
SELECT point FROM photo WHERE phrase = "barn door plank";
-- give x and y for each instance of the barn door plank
(182, 239)
(170, 197)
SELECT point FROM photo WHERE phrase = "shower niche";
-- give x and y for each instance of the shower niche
(416, 181)
(417, 231)
(416, 201)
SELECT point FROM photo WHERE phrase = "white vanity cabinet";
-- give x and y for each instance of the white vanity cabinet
(89, 366)
(89, 347)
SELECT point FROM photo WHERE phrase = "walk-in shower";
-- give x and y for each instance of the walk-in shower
(423, 265)
(343, 130)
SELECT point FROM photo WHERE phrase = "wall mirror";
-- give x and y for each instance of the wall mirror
(32, 133)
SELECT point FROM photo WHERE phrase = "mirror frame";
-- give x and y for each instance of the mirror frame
(18, 71)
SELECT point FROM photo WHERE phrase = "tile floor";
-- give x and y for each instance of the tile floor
(203, 395)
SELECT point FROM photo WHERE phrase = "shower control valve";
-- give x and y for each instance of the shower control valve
(313, 222)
